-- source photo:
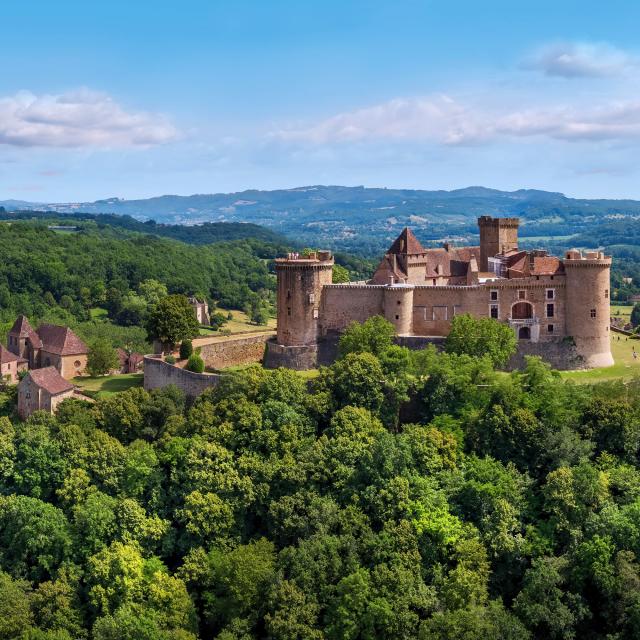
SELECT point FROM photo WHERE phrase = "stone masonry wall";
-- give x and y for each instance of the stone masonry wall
(234, 352)
(159, 374)
(342, 304)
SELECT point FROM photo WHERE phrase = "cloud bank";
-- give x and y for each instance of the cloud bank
(80, 118)
(581, 59)
(443, 120)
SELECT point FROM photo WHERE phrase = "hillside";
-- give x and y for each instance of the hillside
(363, 219)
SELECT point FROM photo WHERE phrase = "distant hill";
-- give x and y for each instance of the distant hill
(364, 219)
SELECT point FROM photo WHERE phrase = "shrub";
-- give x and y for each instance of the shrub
(170, 359)
(186, 349)
(195, 363)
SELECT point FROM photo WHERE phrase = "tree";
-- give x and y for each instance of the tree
(152, 291)
(102, 358)
(195, 363)
(186, 349)
(375, 336)
(635, 315)
(172, 320)
(480, 337)
(339, 275)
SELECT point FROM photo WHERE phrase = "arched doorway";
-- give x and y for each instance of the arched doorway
(522, 311)
(524, 333)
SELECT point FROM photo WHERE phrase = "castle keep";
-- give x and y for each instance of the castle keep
(553, 304)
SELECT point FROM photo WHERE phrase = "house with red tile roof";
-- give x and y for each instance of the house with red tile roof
(49, 345)
(11, 365)
(42, 390)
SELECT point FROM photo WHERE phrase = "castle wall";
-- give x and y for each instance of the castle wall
(159, 374)
(398, 308)
(343, 304)
(234, 352)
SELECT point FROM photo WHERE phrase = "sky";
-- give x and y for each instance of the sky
(137, 99)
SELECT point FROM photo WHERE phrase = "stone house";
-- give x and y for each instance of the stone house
(10, 365)
(201, 309)
(50, 345)
(129, 362)
(42, 390)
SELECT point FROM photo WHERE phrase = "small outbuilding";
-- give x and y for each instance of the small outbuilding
(42, 390)
(10, 365)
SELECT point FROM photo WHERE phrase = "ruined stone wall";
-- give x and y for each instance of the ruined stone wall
(560, 354)
(343, 303)
(298, 357)
(235, 352)
(159, 374)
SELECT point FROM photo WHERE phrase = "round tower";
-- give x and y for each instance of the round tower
(398, 307)
(588, 285)
(300, 282)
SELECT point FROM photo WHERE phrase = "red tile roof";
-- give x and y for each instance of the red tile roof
(50, 380)
(60, 340)
(22, 329)
(547, 265)
(6, 356)
(406, 242)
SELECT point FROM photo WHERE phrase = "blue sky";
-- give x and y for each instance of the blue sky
(135, 99)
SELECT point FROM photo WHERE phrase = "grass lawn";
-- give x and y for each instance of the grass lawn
(104, 386)
(621, 311)
(239, 324)
(625, 366)
(98, 313)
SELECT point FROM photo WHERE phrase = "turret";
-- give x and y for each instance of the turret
(588, 285)
(497, 235)
(398, 307)
(300, 283)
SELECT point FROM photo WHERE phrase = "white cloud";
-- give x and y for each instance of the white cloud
(581, 59)
(80, 118)
(444, 121)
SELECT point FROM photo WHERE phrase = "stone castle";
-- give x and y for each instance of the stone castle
(556, 306)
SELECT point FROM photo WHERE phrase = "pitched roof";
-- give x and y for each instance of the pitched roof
(22, 329)
(406, 242)
(60, 340)
(50, 380)
(6, 356)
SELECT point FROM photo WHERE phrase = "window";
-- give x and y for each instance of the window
(434, 281)
(397, 317)
(315, 313)
(494, 295)
(549, 328)
(593, 313)
(550, 310)
(312, 298)
(398, 301)
(606, 293)
(522, 295)
(551, 294)
(288, 311)
(494, 311)
(77, 364)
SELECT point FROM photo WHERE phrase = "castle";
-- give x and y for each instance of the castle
(556, 306)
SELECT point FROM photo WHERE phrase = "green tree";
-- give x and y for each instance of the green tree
(102, 358)
(635, 315)
(480, 337)
(152, 291)
(186, 349)
(339, 274)
(195, 363)
(15, 613)
(375, 336)
(172, 320)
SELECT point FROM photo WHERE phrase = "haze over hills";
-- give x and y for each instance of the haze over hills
(338, 216)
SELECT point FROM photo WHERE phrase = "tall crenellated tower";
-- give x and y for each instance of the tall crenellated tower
(588, 286)
(300, 282)
(497, 235)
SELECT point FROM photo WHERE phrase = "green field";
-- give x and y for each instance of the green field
(625, 366)
(239, 324)
(104, 386)
(621, 311)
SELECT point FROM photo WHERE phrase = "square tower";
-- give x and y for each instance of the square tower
(497, 235)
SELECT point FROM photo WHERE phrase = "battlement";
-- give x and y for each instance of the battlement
(489, 221)
(576, 258)
(311, 259)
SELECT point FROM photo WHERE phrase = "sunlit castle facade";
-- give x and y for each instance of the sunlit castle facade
(557, 307)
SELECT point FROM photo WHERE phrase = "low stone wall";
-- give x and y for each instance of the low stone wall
(234, 352)
(159, 374)
(299, 358)
(561, 355)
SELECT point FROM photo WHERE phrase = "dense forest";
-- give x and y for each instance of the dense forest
(401, 495)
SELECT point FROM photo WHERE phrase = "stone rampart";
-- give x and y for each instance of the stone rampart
(561, 354)
(159, 374)
(233, 351)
